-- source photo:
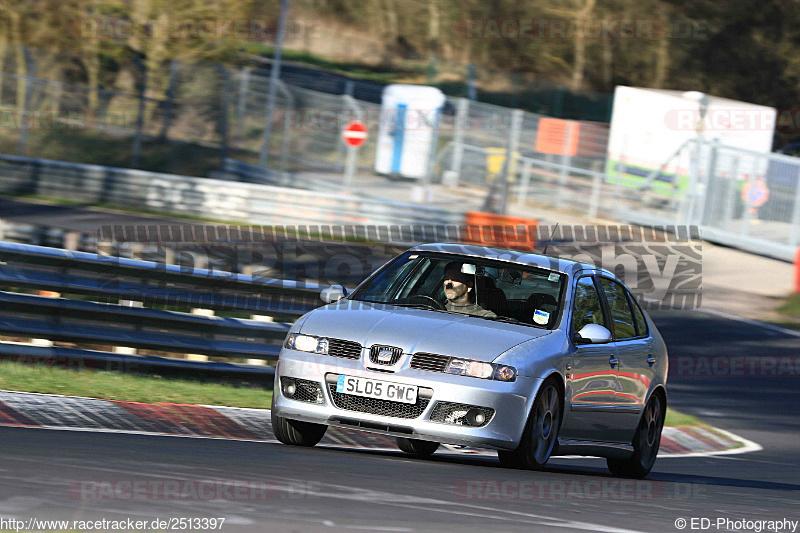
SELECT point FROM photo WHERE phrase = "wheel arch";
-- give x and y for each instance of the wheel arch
(662, 393)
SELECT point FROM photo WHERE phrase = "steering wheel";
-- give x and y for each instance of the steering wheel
(425, 300)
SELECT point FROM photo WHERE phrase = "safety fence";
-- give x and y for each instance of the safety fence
(741, 198)
(115, 304)
(737, 197)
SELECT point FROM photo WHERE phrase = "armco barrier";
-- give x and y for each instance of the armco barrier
(100, 323)
(253, 203)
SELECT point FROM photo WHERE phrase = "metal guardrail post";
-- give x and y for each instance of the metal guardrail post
(525, 181)
(594, 200)
(730, 197)
(710, 175)
(428, 178)
(688, 198)
(170, 103)
(517, 116)
(565, 159)
(287, 129)
(458, 139)
(241, 105)
(349, 90)
(275, 73)
(223, 115)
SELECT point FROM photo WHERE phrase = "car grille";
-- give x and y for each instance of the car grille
(455, 413)
(430, 361)
(377, 349)
(375, 406)
(342, 348)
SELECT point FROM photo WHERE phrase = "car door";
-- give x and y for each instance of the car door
(591, 382)
(634, 350)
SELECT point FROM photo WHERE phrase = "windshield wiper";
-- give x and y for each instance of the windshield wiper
(415, 306)
(502, 319)
(428, 307)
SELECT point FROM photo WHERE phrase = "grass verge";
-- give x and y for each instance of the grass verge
(131, 387)
(788, 313)
(791, 306)
(155, 388)
(676, 418)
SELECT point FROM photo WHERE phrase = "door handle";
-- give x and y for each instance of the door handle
(651, 360)
(613, 361)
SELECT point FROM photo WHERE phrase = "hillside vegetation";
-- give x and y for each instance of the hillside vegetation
(739, 49)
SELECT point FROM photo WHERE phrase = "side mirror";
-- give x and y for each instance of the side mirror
(594, 334)
(331, 294)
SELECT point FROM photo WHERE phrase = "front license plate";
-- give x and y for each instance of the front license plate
(373, 388)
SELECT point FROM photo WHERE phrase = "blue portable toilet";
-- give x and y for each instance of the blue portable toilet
(407, 131)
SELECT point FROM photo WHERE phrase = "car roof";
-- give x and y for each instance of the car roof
(556, 264)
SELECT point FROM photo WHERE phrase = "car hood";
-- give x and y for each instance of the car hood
(417, 330)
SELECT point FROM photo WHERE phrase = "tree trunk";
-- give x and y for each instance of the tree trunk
(19, 59)
(607, 65)
(579, 66)
(580, 62)
(3, 49)
(434, 25)
(662, 54)
(392, 26)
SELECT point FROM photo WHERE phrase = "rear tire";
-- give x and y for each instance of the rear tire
(295, 432)
(417, 448)
(646, 442)
(540, 437)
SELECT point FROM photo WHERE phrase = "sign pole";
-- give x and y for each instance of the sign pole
(350, 166)
(354, 135)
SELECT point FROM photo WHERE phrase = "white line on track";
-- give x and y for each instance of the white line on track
(751, 322)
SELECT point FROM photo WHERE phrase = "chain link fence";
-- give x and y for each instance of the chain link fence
(742, 198)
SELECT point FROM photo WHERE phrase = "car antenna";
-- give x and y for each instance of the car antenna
(550, 239)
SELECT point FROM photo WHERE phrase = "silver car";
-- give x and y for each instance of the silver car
(527, 354)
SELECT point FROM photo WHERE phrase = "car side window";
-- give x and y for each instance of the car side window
(617, 298)
(641, 323)
(586, 308)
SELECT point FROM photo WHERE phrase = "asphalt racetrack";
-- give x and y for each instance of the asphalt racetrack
(737, 376)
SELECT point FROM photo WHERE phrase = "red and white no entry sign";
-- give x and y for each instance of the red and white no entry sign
(355, 134)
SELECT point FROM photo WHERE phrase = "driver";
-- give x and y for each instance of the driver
(458, 288)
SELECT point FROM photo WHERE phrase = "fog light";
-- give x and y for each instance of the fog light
(475, 417)
(289, 389)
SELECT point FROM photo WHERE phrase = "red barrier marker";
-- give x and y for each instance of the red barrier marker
(797, 271)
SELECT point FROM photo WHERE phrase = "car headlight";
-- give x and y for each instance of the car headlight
(479, 369)
(307, 343)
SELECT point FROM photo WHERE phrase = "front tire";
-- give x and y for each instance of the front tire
(295, 432)
(646, 442)
(417, 448)
(541, 432)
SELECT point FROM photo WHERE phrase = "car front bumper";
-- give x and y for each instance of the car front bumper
(510, 401)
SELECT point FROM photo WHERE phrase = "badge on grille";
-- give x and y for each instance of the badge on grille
(385, 356)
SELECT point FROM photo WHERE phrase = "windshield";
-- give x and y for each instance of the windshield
(494, 290)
